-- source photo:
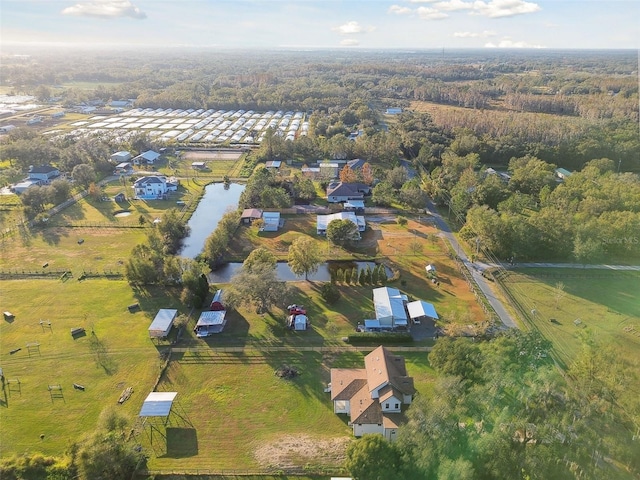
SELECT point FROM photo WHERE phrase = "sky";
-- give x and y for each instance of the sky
(356, 24)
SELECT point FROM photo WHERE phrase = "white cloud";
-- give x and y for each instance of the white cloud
(398, 10)
(506, 42)
(552, 25)
(504, 8)
(453, 5)
(427, 13)
(105, 9)
(349, 42)
(484, 34)
(352, 27)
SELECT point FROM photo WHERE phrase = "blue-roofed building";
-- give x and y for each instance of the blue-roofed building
(562, 173)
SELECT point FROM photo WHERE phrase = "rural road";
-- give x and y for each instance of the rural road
(476, 273)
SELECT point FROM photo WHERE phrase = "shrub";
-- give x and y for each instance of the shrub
(380, 338)
(330, 293)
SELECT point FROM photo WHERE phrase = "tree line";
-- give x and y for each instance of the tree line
(500, 409)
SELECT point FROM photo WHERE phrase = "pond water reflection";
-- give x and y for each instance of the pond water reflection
(217, 198)
(225, 272)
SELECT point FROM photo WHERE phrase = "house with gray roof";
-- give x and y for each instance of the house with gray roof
(338, 192)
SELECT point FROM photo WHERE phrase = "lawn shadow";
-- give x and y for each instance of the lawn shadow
(181, 442)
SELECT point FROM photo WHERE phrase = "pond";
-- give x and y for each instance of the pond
(217, 198)
(225, 272)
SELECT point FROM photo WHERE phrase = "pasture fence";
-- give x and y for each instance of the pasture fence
(245, 472)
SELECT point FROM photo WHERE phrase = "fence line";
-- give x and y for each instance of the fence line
(257, 348)
(244, 472)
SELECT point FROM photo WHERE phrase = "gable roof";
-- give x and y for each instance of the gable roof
(149, 155)
(420, 308)
(384, 367)
(43, 169)
(346, 382)
(356, 163)
(389, 303)
(251, 213)
(345, 189)
(365, 409)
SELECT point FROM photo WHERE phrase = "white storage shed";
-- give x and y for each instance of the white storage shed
(163, 322)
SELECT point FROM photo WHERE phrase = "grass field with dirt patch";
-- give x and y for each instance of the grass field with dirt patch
(251, 418)
(568, 301)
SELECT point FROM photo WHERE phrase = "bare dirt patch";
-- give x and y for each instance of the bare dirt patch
(291, 451)
(202, 155)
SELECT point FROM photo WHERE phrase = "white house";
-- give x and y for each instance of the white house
(43, 173)
(323, 221)
(153, 187)
(374, 396)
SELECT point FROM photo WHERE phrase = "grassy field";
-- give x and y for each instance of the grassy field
(606, 303)
(236, 407)
(217, 391)
(114, 354)
(289, 423)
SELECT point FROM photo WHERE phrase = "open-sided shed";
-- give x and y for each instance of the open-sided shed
(162, 323)
(420, 309)
(210, 322)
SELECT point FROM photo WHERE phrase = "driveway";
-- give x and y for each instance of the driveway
(474, 270)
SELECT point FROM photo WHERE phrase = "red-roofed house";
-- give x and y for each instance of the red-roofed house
(373, 397)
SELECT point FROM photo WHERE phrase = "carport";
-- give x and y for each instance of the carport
(421, 309)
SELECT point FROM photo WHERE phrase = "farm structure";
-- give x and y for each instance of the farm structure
(193, 127)
(210, 323)
(323, 221)
(120, 157)
(216, 303)
(419, 310)
(162, 323)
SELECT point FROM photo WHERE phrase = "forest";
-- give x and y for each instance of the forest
(567, 107)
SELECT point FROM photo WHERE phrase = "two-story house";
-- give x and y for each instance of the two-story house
(374, 396)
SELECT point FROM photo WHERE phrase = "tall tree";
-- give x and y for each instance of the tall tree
(373, 458)
(257, 283)
(304, 256)
(342, 232)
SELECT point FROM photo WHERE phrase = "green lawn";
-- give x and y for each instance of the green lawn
(115, 353)
(607, 303)
(217, 391)
(235, 406)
